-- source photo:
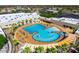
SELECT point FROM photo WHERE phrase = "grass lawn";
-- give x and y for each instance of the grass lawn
(3, 41)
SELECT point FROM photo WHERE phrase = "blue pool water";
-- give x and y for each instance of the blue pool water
(34, 28)
(46, 37)
(43, 34)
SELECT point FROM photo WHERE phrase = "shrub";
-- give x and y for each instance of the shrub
(39, 49)
(27, 50)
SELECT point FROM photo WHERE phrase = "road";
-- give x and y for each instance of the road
(11, 46)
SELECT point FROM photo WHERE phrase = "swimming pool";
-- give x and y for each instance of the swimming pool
(46, 37)
(34, 28)
(43, 34)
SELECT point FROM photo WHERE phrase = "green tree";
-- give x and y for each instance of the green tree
(26, 21)
(48, 50)
(47, 14)
(53, 50)
(39, 49)
(3, 41)
(15, 42)
(59, 12)
(27, 50)
(64, 48)
(30, 20)
(13, 28)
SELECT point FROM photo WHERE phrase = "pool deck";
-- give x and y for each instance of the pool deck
(27, 38)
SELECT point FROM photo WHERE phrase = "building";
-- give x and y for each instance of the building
(7, 19)
(71, 21)
(77, 31)
(2, 32)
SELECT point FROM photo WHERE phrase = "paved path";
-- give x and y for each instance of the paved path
(10, 44)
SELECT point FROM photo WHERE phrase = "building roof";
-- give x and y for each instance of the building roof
(10, 18)
(70, 20)
(69, 16)
(1, 32)
(66, 20)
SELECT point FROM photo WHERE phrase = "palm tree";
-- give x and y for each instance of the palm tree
(48, 50)
(39, 49)
(64, 48)
(30, 20)
(58, 49)
(13, 27)
(53, 50)
(26, 21)
(27, 50)
(15, 42)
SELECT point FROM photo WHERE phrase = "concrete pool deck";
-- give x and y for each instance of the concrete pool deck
(43, 34)
(25, 37)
